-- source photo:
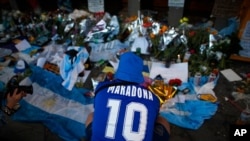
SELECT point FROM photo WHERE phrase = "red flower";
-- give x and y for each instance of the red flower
(192, 33)
(248, 75)
(215, 71)
(192, 51)
(109, 75)
(147, 24)
(175, 82)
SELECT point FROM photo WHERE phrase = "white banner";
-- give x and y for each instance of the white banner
(96, 6)
(176, 3)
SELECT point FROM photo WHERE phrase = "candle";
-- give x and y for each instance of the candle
(178, 58)
(186, 57)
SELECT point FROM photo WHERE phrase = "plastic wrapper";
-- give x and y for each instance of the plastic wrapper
(105, 51)
(78, 14)
(162, 90)
(104, 31)
(114, 26)
(85, 25)
(168, 37)
(69, 26)
(155, 28)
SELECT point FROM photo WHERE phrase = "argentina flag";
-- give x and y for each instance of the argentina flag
(64, 112)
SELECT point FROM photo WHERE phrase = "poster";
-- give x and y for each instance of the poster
(226, 8)
(245, 41)
(246, 33)
(176, 3)
(96, 6)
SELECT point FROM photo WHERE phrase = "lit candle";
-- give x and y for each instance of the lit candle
(178, 58)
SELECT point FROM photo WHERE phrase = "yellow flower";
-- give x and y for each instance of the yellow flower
(184, 20)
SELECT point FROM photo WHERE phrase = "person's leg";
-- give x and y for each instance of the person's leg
(88, 125)
(89, 119)
(164, 122)
(162, 129)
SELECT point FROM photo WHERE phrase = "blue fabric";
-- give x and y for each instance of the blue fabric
(130, 68)
(187, 85)
(71, 67)
(198, 112)
(67, 129)
(192, 113)
(232, 27)
(73, 130)
(117, 99)
(52, 81)
(64, 125)
(203, 80)
(30, 49)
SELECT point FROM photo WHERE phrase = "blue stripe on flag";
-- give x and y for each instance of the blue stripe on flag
(63, 112)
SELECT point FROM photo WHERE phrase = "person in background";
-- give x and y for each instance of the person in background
(124, 109)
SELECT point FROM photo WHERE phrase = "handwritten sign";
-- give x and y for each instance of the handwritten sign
(96, 6)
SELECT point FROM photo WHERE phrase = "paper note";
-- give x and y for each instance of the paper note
(231, 75)
(41, 61)
(23, 45)
(86, 74)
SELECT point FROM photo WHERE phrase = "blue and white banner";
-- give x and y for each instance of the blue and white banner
(63, 112)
